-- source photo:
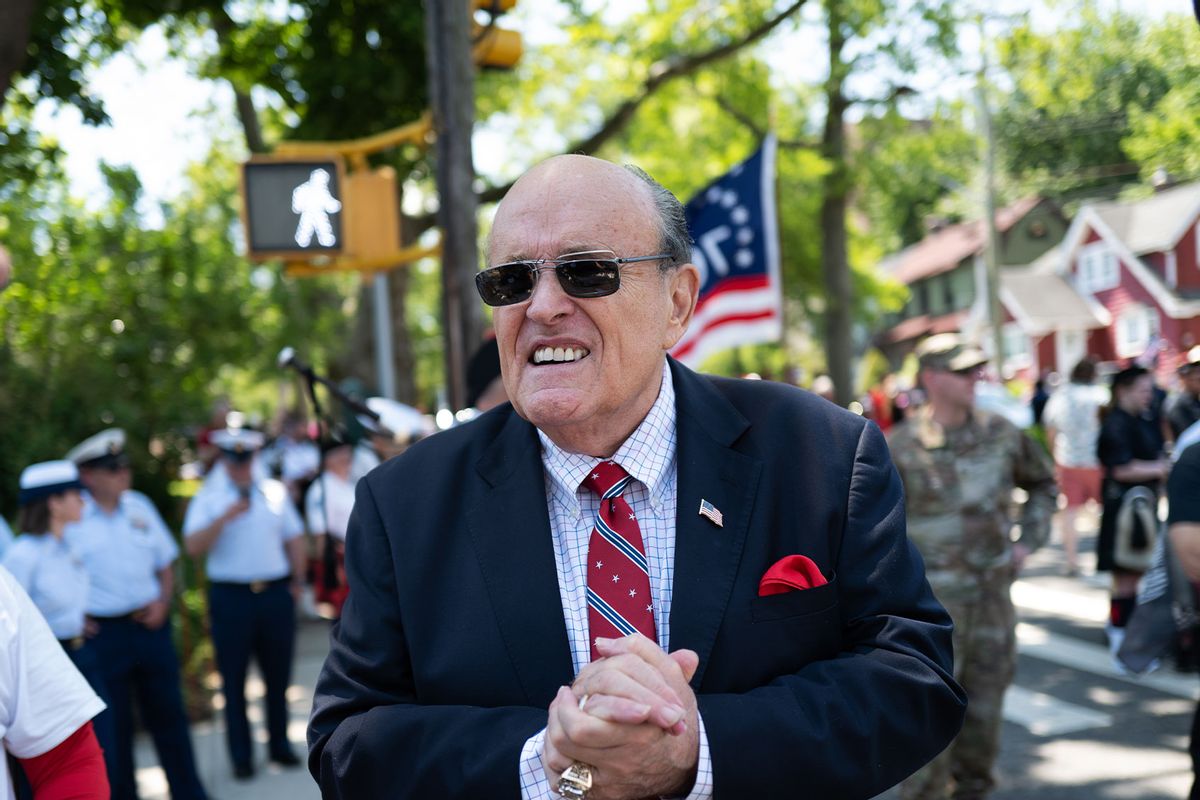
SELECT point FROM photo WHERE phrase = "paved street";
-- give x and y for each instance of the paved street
(271, 782)
(1074, 729)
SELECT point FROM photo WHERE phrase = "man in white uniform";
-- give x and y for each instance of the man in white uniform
(130, 555)
(253, 538)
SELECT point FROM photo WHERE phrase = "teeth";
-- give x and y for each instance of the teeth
(545, 355)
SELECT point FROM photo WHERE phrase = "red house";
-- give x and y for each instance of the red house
(1126, 276)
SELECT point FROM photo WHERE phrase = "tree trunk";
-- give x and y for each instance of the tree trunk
(16, 18)
(835, 267)
(249, 119)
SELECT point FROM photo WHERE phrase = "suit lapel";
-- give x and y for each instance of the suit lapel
(510, 528)
(707, 556)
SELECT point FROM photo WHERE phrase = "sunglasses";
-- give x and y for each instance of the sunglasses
(593, 273)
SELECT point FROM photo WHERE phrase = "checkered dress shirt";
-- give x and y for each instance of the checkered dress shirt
(649, 456)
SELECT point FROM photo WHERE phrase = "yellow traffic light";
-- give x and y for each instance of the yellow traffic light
(496, 48)
(493, 47)
(493, 7)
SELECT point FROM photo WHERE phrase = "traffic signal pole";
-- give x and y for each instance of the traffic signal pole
(452, 101)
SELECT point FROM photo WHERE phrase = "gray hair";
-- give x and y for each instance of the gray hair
(673, 235)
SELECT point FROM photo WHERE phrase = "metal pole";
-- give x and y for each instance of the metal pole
(452, 98)
(991, 252)
(384, 367)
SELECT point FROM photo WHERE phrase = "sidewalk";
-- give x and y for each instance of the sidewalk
(208, 738)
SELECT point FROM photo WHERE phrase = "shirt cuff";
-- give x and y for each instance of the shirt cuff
(702, 789)
(534, 785)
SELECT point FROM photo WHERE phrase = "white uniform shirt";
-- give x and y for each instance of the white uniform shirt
(329, 513)
(365, 459)
(251, 546)
(6, 535)
(123, 552)
(648, 455)
(1074, 413)
(298, 459)
(55, 579)
(43, 698)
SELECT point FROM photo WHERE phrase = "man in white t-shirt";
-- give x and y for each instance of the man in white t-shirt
(44, 702)
(1072, 420)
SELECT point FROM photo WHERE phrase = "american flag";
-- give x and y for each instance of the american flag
(737, 250)
(710, 511)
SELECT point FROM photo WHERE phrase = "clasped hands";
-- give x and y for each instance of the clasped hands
(632, 717)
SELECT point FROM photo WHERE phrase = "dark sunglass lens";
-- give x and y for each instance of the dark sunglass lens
(505, 284)
(589, 278)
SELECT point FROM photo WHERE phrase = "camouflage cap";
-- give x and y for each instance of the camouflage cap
(949, 352)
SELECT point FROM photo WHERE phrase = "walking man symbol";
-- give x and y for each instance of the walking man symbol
(313, 201)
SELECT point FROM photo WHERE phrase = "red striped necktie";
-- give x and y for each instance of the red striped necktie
(618, 577)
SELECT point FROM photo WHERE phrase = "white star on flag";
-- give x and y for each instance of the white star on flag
(599, 565)
(633, 592)
(616, 578)
(632, 516)
(649, 607)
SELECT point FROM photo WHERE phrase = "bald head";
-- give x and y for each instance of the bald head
(627, 188)
(593, 189)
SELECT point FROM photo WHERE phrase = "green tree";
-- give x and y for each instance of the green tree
(1097, 103)
(108, 322)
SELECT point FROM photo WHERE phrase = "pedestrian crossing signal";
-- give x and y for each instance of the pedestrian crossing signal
(293, 207)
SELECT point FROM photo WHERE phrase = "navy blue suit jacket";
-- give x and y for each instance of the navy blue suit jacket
(453, 642)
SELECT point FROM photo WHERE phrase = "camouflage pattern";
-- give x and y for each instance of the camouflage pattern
(959, 486)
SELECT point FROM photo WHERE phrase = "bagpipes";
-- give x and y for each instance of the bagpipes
(379, 414)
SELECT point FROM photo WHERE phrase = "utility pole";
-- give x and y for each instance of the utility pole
(992, 249)
(452, 101)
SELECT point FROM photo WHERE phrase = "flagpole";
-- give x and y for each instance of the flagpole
(772, 118)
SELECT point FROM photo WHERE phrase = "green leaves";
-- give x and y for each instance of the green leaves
(1098, 103)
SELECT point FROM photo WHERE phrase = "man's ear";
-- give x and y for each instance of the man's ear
(683, 289)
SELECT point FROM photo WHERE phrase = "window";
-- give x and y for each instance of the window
(1098, 268)
(1171, 269)
(922, 296)
(1136, 325)
(936, 294)
(1016, 346)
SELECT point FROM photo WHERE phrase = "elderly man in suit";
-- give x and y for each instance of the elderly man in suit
(632, 581)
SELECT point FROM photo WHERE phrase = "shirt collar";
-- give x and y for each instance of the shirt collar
(639, 455)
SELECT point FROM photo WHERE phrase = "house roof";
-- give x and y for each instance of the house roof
(1155, 223)
(1145, 226)
(1042, 301)
(917, 327)
(945, 249)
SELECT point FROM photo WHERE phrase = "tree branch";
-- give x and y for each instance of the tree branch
(222, 25)
(744, 119)
(661, 74)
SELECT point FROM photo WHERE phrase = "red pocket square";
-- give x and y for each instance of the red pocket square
(790, 573)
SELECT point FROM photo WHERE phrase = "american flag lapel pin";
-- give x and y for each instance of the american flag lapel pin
(711, 513)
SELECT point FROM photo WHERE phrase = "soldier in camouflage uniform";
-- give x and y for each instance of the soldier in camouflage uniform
(960, 466)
